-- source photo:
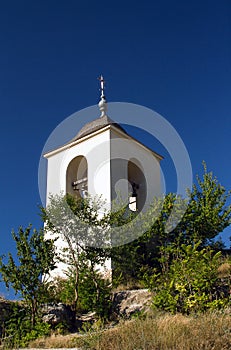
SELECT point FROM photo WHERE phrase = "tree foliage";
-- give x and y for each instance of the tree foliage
(78, 224)
(36, 258)
(207, 214)
(191, 282)
(19, 331)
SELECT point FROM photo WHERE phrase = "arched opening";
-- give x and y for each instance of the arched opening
(77, 177)
(137, 187)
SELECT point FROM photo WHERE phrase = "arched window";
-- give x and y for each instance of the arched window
(77, 177)
(137, 187)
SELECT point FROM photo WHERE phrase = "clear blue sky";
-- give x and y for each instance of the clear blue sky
(171, 56)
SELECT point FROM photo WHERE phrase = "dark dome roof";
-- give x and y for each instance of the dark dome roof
(95, 125)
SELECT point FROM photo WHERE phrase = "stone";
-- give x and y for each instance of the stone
(129, 302)
(58, 314)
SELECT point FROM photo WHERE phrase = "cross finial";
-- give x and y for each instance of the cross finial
(102, 85)
(102, 102)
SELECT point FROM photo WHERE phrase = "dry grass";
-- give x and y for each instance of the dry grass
(55, 341)
(131, 285)
(161, 332)
(224, 270)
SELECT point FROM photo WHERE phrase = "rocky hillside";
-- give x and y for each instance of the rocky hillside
(125, 304)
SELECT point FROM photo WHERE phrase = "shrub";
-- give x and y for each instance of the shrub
(192, 282)
(19, 330)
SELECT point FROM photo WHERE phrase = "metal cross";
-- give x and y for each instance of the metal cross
(102, 85)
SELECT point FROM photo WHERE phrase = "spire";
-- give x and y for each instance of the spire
(102, 103)
(102, 85)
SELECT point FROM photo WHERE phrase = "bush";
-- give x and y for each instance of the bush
(94, 292)
(95, 295)
(192, 282)
(19, 330)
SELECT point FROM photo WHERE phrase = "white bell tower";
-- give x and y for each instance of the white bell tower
(104, 160)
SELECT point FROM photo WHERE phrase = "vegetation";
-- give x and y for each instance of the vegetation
(162, 331)
(182, 264)
(207, 215)
(26, 275)
(192, 281)
(19, 330)
(36, 257)
(93, 295)
(72, 219)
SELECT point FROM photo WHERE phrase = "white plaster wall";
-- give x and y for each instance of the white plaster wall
(97, 152)
(55, 183)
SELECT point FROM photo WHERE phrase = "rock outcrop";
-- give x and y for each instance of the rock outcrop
(58, 314)
(125, 304)
(130, 302)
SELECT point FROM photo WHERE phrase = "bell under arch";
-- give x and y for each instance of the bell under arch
(77, 177)
(137, 186)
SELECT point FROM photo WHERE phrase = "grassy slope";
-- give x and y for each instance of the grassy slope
(211, 331)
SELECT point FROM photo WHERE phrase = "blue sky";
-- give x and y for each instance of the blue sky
(171, 56)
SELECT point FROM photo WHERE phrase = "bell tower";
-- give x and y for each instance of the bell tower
(104, 160)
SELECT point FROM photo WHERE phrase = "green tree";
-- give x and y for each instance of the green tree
(206, 215)
(134, 259)
(77, 222)
(36, 258)
(94, 291)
